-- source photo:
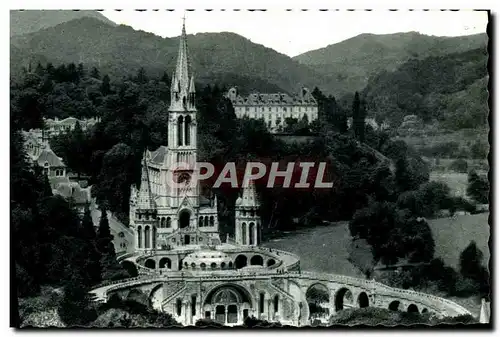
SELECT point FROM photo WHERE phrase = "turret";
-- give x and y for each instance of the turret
(247, 219)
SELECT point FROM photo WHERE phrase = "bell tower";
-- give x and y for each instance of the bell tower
(182, 128)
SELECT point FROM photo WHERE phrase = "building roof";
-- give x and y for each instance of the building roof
(73, 190)
(47, 156)
(158, 156)
(304, 97)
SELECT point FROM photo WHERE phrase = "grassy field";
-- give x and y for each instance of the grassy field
(456, 181)
(322, 249)
(453, 235)
(326, 248)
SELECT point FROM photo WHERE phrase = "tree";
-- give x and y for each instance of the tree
(95, 73)
(75, 309)
(106, 86)
(471, 262)
(478, 188)
(104, 236)
(356, 114)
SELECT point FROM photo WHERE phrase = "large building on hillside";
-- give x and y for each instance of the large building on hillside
(275, 108)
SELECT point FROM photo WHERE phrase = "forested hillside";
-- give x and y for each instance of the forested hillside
(223, 58)
(451, 89)
(352, 62)
(29, 21)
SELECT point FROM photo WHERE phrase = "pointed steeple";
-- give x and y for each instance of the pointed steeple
(144, 196)
(249, 195)
(182, 68)
(191, 86)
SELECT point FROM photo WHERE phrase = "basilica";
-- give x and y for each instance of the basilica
(164, 216)
(186, 269)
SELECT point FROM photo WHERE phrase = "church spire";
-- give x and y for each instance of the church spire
(182, 68)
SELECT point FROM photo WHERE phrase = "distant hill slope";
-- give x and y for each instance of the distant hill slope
(224, 58)
(29, 21)
(352, 62)
(451, 89)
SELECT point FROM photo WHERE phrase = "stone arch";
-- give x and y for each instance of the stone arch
(165, 262)
(317, 298)
(425, 310)
(205, 221)
(156, 296)
(150, 263)
(257, 260)
(276, 301)
(363, 300)
(137, 296)
(342, 295)
(212, 221)
(130, 267)
(394, 305)
(169, 222)
(413, 308)
(184, 218)
(241, 292)
(243, 233)
(187, 130)
(271, 262)
(180, 121)
(200, 221)
(240, 261)
(251, 233)
(162, 222)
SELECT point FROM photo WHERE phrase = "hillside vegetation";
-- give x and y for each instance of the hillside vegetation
(223, 58)
(352, 62)
(451, 89)
(29, 21)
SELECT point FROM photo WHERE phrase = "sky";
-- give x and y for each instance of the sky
(295, 32)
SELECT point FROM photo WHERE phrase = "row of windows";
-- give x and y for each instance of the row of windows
(166, 222)
(205, 221)
(284, 109)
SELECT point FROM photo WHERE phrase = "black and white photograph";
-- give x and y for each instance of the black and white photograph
(280, 168)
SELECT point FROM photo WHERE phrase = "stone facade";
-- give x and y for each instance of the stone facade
(274, 109)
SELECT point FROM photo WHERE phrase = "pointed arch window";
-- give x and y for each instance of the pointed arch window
(180, 132)
(187, 130)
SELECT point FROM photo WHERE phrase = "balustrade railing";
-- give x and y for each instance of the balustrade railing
(370, 285)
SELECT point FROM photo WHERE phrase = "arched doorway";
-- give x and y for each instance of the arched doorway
(413, 308)
(228, 304)
(363, 300)
(271, 262)
(184, 219)
(257, 260)
(424, 311)
(150, 263)
(343, 298)
(240, 261)
(165, 263)
(394, 305)
(318, 300)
